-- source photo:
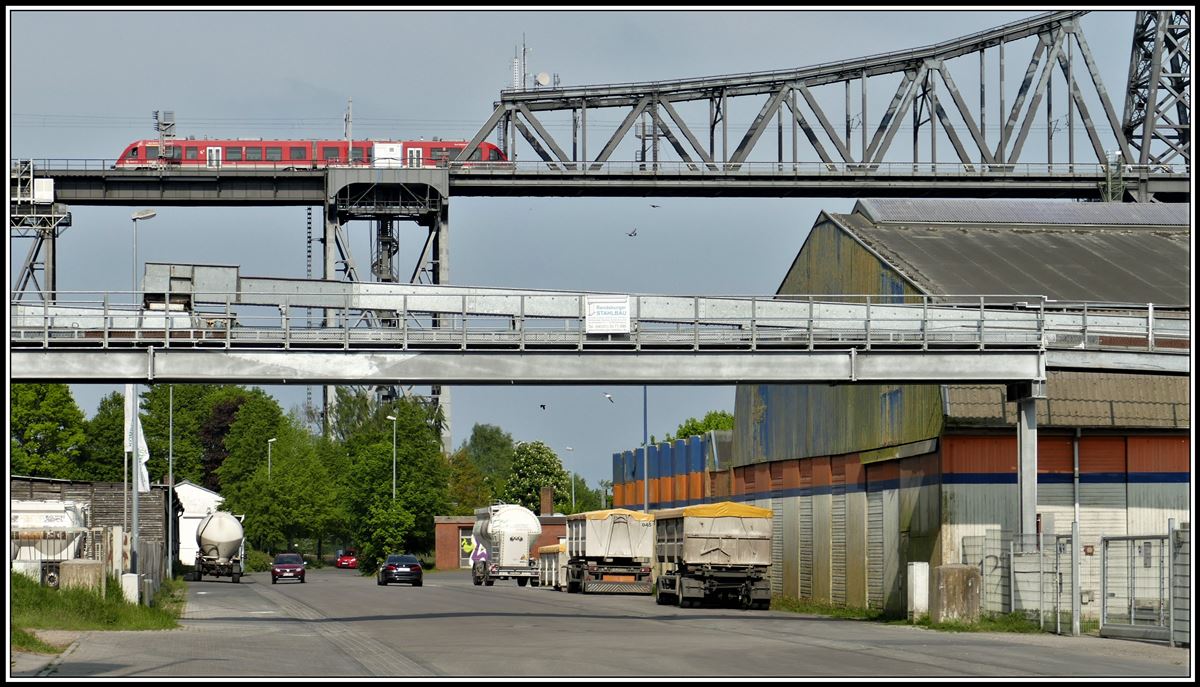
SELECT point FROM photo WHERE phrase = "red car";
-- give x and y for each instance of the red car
(287, 566)
(348, 559)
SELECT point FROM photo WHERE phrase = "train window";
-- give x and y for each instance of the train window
(359, 154)
(233, 154)
(274, 153)
(477, 155)
(192, 153)
(296, 153)
(151, 152)
(175, 153)
(494, 154)
(132, 153)
(254, 153)
(330, 154)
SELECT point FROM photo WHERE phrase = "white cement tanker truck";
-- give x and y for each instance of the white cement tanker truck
(220, 546)
(505, 536)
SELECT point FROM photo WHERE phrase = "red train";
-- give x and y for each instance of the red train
(299, 154)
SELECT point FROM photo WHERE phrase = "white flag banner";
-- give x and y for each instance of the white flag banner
(130, 410)
(133, 428)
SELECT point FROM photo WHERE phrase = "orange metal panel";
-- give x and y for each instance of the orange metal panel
(1158, 454)
(1055, 454)
(791, 474)
(997, 454)
(822, 474)
(1101, 454)
(806, 473)
(680, 487)
(855, 471)
(887, 470)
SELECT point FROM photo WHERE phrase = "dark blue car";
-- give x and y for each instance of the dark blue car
(400, 568)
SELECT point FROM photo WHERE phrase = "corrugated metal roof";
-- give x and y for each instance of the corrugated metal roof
(1080, 399)
(1039, 212)
(1117, 264)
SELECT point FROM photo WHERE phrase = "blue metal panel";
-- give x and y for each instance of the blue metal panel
(627, 459)
(636, 471)
(652, 468)
(679, 458)
(618, 469)
(699, 446)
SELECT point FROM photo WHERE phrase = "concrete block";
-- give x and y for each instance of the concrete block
(129, 585)
(79, 572)
(30, 569)
(918, 590)
(955, 593)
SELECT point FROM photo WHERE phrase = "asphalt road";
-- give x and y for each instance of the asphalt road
(341, 624)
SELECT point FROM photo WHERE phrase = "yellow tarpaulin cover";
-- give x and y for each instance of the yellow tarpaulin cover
(603, 514)
(553, 548)
(724, 509)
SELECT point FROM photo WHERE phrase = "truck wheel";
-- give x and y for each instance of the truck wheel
(522, 581)
(274, 581)
(573, 587)
(746, 596)
(488, 582)
(236, 578)
(535, 582)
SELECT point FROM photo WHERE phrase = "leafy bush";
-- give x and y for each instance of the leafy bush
(256, 561)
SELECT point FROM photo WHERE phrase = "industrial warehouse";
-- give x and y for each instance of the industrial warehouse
(866, 478)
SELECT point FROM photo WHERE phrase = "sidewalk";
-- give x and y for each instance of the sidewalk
(25, 664)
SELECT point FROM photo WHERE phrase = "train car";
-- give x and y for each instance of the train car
(298, 154)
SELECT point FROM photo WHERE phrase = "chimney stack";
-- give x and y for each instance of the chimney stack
(547, 501)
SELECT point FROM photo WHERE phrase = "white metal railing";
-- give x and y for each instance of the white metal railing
(559, 321)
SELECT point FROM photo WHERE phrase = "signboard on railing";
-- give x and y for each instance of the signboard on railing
(607, 315)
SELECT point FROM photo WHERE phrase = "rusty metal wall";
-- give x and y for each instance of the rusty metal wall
(787, 421)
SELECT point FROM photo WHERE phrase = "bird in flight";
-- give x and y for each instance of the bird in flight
(609, 397)
(632, 233)
(542, 405)
(654, 206)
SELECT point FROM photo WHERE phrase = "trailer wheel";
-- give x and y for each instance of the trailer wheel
(522, 581)
(573, 587)
(236, 578)
(477, 574)
(746, 596)
(488, 582)
(535, 582)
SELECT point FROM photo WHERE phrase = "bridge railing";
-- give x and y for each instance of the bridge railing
(808, 168)
(562, 321)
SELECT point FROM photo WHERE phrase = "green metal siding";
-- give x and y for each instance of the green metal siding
(779, 422)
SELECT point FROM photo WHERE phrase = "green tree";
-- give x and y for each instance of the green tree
(258, 419)
(535, 465)
(468, 489)
(421, 472)
(47, 431)
(193, 406)
(103, 458)
(491, 450)
(586, 498)
(713, 420)
(222, 412)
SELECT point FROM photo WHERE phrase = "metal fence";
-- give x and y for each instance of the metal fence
(1135, 578)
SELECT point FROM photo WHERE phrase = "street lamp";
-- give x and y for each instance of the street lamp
(269, 442)
(140, 214)
(393, 419)
(572, 485)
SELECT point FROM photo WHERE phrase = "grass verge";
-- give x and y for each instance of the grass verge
(33, 606)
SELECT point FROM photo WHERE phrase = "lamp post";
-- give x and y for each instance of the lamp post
(140, 214)
(393, 419)
(269, 442)
(572, 485)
